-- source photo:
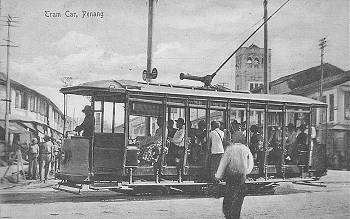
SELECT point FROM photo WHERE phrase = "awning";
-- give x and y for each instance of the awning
(56, 135)
(28, 125)
(40, 128)
(14, 127)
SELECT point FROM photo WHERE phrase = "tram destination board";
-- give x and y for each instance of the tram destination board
(149, 109)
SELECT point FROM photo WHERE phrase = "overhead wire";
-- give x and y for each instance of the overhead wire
(222, 65)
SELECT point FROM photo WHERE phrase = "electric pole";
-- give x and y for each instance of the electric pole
(150, 39)
(67, 81)
(266, 82)
(8, 82)
(322, 45)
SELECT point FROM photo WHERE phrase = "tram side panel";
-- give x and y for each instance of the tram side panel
(108, 156)
(75, 159)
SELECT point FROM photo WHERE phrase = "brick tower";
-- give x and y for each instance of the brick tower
(250, 67)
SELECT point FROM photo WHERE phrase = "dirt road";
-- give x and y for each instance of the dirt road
(332, 201)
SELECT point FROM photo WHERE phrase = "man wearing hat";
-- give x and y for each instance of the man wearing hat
(33, 158)
(88, 124)
(178, 142)
(302, 145)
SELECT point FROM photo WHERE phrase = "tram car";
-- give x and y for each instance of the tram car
(132, 144)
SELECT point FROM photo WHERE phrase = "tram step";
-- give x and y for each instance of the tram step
(104, 185)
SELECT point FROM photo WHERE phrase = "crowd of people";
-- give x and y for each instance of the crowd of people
(43, 158)
(295, 141)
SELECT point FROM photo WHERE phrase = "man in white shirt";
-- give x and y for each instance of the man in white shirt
(216, 137)
(178, 141)
(235, 164)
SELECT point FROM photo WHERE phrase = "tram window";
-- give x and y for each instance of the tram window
(256, 138)
(98, 118)
(108, 117)
(219, 116)
(149, 145)
(197, 134)
(137, 126)
(274, 137)
(98, 105)
(237, 123)
(119, 118)
(111, 119)
(176, 126)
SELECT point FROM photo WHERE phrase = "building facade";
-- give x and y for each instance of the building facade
(336, 93)
(249, 69)
(32, 114)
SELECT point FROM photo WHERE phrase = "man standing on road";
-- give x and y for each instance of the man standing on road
(46, 155)
(216, 137)
(33, 158)
(235, 164)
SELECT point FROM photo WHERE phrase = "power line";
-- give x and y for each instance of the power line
(222, 65)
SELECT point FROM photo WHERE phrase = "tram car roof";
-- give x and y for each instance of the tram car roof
(104, 87)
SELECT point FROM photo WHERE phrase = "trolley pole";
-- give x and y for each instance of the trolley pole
(266, 82)
(322, 45)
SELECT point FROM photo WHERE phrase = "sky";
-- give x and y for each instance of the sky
(192, 36)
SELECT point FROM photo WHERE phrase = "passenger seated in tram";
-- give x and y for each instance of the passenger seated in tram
(88, 124)
(256, 144)
(291, 138)
(150, 146)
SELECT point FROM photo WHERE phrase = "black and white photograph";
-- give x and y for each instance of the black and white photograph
(148, 109)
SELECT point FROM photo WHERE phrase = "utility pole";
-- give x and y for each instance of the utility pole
(8, 86)
(67, 80)
(322, 45)
(149, 42)
(266, 81)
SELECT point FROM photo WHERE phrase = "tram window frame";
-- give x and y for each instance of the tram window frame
(197, 147)
(142, 141)
(174, 116)
(99, 108)
(238, 113)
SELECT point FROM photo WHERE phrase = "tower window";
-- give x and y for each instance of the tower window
(249, 60)
(256, 61)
